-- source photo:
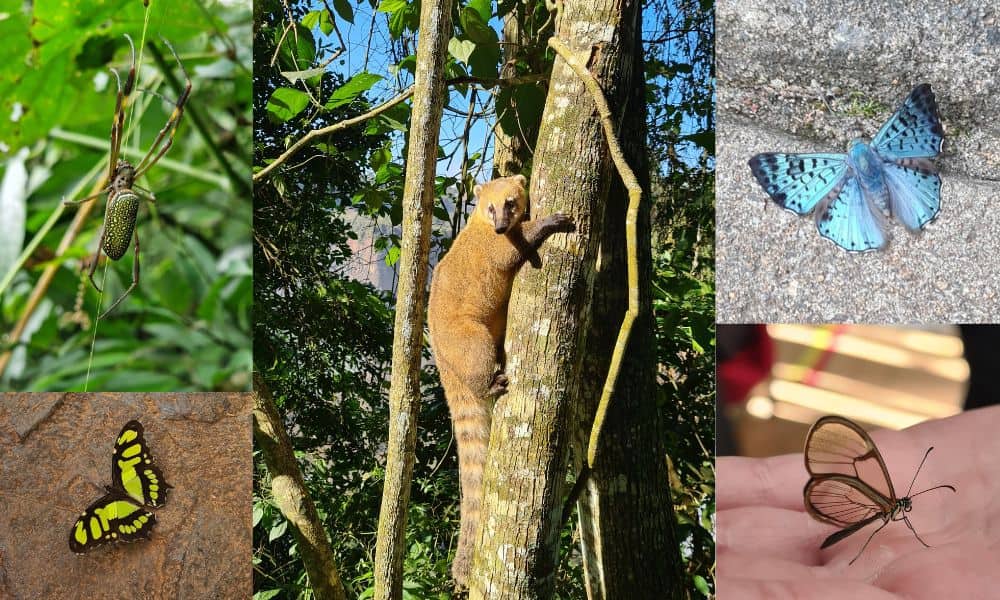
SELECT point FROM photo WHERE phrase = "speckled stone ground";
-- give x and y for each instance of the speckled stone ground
(55, 459)
(795, 79)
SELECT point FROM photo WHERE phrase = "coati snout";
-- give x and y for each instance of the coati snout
(506, 216)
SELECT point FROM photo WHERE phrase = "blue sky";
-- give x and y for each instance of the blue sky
(368, 48)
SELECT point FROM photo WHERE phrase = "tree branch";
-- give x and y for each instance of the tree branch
(315, 133)
(411, 295)
(634, 197)
(291, 496)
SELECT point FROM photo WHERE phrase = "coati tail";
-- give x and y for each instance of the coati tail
(471, 419)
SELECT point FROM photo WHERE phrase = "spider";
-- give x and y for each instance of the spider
(123, 193)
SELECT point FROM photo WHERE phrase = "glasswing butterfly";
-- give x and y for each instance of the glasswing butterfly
(849, 485)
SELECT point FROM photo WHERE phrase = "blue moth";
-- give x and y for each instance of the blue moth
(850, 195)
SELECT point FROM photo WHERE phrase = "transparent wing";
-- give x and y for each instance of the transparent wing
(798, 182)
(914, 191)
(849, 219)
(132, 468)
(844, 501)
(839, 446)
(914, 131)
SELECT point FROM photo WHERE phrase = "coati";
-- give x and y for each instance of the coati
(467, 315)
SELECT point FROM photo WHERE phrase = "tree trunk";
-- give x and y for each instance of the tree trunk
(524, 480)
(291, 496)
(511, 152)
(626, 515)
(411, 294)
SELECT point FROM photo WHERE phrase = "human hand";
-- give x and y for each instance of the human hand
(768, 546)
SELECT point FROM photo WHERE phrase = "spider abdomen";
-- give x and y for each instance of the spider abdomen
(119, 223)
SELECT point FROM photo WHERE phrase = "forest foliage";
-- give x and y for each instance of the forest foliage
(187, 324)
(325, 221)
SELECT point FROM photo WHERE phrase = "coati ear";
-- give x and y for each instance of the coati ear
(521, 179)
(476, 189)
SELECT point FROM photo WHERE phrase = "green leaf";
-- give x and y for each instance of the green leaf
(476, 28)
(408, 64)
(343, 8)
(298, 50)
(355, 86)
(461, 49)
(483, 7)
(405, 18)
(318, 18)
(391, 6)
(285, 103)
(701, 585)
(380, 157)
(277, 531)
(485, 60)
(392, 255)
(704, 139)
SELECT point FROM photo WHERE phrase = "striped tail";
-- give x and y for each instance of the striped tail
(470, 417)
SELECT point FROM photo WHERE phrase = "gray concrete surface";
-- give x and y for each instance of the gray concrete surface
(797, 78)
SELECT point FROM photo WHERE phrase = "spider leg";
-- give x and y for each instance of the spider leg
(171, 125)
(97, 259)
(147, 194)
(89, 198)
(121, 104)
(135, 279)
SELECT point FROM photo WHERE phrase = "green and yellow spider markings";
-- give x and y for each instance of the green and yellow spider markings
(136, 484)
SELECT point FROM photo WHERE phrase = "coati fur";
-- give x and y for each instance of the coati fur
(467, 316)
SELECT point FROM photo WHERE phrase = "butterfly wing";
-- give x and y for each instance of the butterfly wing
(844, 501)
(914, 191)
(848, 218)
(798, 182)
(132, 470)
(839, 446)
(113, 518)
(914, 131)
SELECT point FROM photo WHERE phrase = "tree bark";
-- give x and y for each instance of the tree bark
(626, 520)
(291, 496)
(550, 311)
(411, 294)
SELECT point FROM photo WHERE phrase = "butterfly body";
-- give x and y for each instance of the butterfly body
(137, 484)
(851, 194)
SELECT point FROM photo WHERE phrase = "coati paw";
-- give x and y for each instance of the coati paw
(499, 385)
(560, 222)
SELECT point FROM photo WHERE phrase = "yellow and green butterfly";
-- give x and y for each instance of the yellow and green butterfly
(136, 484)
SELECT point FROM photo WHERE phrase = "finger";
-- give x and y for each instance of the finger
(751, 565)
(775, 481)
(771, 533)
(935, 572)
(748, 588)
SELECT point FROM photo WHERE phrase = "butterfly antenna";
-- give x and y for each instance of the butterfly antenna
(937, 487)
(918, 472)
